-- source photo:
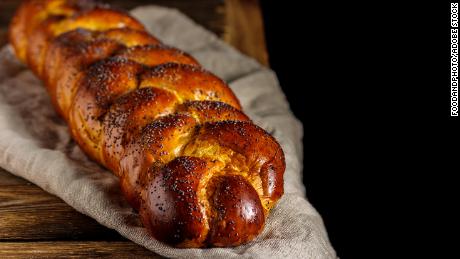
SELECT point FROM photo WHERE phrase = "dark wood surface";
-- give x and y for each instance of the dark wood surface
(34, 223)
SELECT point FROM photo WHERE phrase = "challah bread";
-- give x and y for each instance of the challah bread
(199, 172)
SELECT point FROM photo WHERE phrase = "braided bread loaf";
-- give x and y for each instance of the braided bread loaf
(194, 166)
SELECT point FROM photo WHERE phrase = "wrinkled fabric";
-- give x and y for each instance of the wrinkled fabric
(35, 144)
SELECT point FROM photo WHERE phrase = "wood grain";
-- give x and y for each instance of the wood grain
(9, 179)
(244, 28)
(74, 249)
(29, 213)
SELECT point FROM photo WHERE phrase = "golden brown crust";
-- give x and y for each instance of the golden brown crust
(158, 143)
(128, 115)
(239, 215)
(199, 172)
(152, 55)
(71, 51)
(211, 111)
(189, 83)
(172, 207)
(103, 82)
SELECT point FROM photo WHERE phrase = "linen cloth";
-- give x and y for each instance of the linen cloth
(35, 144)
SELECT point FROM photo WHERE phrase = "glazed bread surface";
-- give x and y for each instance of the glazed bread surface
(193, 165)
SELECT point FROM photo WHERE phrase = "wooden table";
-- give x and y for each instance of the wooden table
(34, 223)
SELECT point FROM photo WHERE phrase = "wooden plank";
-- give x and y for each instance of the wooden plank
(244, 28)
(29, 213)
(208, 13)
(8, 179)
(74, 249)
(3, 36)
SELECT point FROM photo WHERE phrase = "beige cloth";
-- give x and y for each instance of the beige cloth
(35, 144)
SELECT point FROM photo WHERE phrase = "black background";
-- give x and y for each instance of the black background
(370, 82)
